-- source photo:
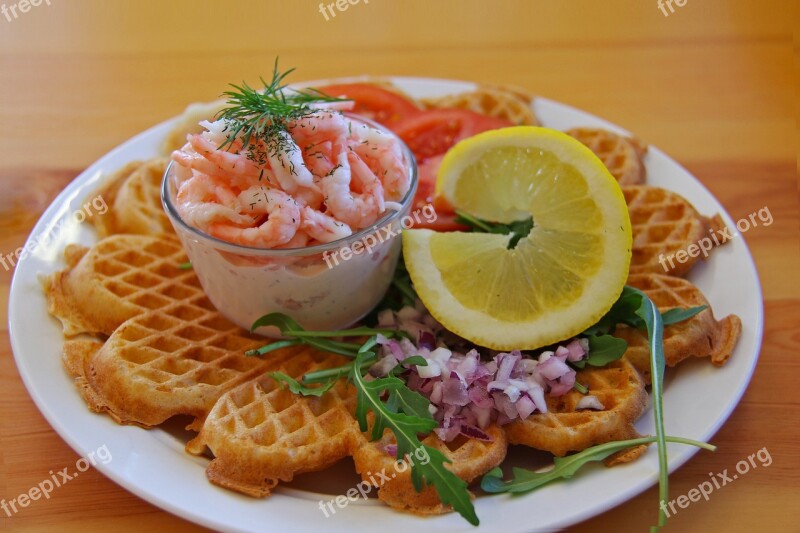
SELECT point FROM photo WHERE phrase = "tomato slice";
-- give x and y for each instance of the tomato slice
(430, 134)
(433, 132)
(373, 102)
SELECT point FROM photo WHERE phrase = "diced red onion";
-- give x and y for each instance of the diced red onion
(525, 407)
(553, 368)
(576, 350)
(474, 433)
(590, 402)
(383, 366)
(427, 340)
(563, 385)
(391, 449)
(467, 394)
(436, 392)
(455, 391)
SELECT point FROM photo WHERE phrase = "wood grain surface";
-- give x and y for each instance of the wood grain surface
(714, 84)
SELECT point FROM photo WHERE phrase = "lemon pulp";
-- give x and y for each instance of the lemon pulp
(556, 281)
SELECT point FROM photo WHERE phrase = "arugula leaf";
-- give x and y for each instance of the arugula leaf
(323, 376)
(673, 316)
(318, 339)
(272, 347)
(605, 349)
(410, 402)
(451, 489)
(566, 467)
(649, 313)
(622, 312)
(416, 360)
(298, 388)
(518, 229)
(185, 266)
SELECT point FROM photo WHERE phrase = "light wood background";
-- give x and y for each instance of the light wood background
(715, 84)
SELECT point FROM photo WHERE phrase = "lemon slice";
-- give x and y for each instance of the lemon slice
(554, 282)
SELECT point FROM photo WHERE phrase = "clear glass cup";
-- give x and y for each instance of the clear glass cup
(323, 287)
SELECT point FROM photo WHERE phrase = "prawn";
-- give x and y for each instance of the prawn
(300, 240)
(236, 167)
(385, 158)
(280, 226)
(204, 200)
(310, 197)
(288, 165)
(322, 227)
(357, 209)
(321, 125)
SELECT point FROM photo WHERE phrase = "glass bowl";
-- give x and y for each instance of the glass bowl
(324, 287)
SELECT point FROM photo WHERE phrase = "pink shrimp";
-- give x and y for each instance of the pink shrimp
(328, 176)
(310, 197)
(236, 167)
(357, 209)
(203, 200)
(319, 126)
(282, 219)
(385, 158)
(288, 165)
(300, 240)
(322, 227)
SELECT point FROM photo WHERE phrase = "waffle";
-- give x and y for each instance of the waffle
(700, 336)
(665, 224)
(621, 155)
(565, 429)
(134, 196)
(511, 104)
(122, 276)
(188, 123)
(177, 360)
(261, 433)
(469, 458)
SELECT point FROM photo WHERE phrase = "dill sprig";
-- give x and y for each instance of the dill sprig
(261, 117)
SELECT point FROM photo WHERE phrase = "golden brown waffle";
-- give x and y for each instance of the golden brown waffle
(511, 104)
(177, 360)
(565, 429)
(122, 276)
(621, 155)
(133, 194)
(700, 336)
(188, 123)
(665, 224)
(261, 433)
(469, 458)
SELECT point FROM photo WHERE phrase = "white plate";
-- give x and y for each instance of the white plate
(153, 465)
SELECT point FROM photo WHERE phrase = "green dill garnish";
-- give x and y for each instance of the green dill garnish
(261, 117)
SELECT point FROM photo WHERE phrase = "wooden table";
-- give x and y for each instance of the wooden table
(711, 84)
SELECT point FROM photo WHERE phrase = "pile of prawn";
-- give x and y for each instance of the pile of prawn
(332, 177)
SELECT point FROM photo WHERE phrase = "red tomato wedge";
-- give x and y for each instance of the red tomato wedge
(430, 134)
(435, 131)
(373, 102)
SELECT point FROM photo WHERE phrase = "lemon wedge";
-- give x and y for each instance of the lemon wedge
(508, 292)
